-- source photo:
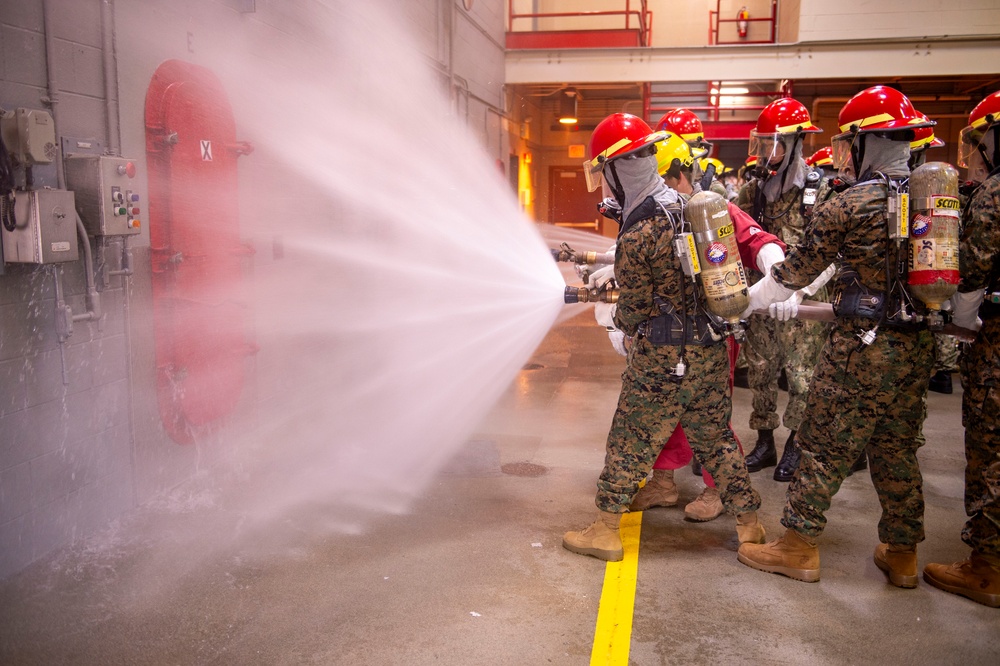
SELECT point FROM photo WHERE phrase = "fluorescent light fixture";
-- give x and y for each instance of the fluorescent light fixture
(730, 91)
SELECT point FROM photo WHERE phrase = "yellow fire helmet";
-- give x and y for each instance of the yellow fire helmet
(670, 150)
(719, 166)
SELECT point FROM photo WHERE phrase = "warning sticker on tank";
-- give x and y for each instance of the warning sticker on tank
(716, 253)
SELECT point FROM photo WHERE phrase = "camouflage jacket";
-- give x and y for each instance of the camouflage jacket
(979, 251)
(852, 224)
(784, 218)
(645, 265)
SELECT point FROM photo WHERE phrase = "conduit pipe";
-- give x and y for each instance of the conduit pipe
(48, 14)
(110, 76)
(64, 313)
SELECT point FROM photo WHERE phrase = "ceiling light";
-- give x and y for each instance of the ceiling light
(567, 107)
(730, 91)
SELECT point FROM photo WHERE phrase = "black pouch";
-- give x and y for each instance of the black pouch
(856, 301)
(669, 330)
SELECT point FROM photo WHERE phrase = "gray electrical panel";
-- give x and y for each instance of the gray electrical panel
(44, 229)
(107, 195)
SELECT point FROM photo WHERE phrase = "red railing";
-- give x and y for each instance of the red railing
(635, 11)
(715, 19)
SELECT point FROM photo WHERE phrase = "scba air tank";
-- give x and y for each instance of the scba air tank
(722, 276)
(936, 212)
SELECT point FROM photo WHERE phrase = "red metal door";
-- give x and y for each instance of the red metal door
(570, 204)
(198, 310)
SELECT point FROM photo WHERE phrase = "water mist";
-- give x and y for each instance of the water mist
(409, 289)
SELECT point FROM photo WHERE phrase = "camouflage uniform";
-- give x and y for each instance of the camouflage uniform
(861, 395)
(651, 403)
(945, 353)
(979, 257)
(771, 345)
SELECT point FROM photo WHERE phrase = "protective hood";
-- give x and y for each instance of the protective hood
(885, 156)
(791, 173)
(637, 179)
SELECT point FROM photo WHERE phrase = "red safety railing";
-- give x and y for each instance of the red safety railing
(715, 20)
(638, 24)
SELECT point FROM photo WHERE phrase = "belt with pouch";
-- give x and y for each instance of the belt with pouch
(669, 330)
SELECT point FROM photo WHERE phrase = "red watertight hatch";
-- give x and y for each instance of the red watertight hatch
(199, 316)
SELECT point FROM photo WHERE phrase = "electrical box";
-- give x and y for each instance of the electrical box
(29, 135)
(106, 194)
(44, 229)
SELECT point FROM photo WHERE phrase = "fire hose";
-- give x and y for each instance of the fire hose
(807, 310)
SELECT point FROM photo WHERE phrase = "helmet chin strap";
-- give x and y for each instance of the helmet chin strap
(858, 155)
(786, 163)
(616, 187)
(991, 163)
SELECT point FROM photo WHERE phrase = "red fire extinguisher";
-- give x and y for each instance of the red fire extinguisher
(742, 21)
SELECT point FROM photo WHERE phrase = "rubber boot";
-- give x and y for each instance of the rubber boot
(899, 563)
(749, 529)
(941, 382)
(660, 490)
(705, 507)
(793, 555)
(977, 578)
(601, 540)
(789, 460)
(763, 454)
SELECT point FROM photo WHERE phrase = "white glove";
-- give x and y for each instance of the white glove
(819, 282)
(618, 341)
(604, 313)
(787, 309)
(764, 293)
(602, 276)
(965, 309)
(768, 255)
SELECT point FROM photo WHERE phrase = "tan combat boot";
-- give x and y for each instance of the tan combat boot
(977, 578)
(793, 555)
(705, 507)
(898, 562)
(749, 529)
(658, 491)
(601, 540)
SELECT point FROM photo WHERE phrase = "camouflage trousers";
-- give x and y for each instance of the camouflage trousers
(871, 399)
(771, 345)
(945, 353)
(981, 418)
(650, 407)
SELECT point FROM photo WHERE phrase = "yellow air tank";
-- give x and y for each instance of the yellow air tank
(722, 276)
(935, 209)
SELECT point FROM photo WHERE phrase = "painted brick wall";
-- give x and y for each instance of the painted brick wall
(888, 19)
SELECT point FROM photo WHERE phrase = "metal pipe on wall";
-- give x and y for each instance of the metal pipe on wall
(48, 20)
(110, 77)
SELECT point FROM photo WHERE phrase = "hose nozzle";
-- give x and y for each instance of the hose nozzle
(568, 254)
(584, 295)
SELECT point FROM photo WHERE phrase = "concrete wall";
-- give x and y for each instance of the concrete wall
(81, 441)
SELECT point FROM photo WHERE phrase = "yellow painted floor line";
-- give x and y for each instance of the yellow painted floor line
(613, 633)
